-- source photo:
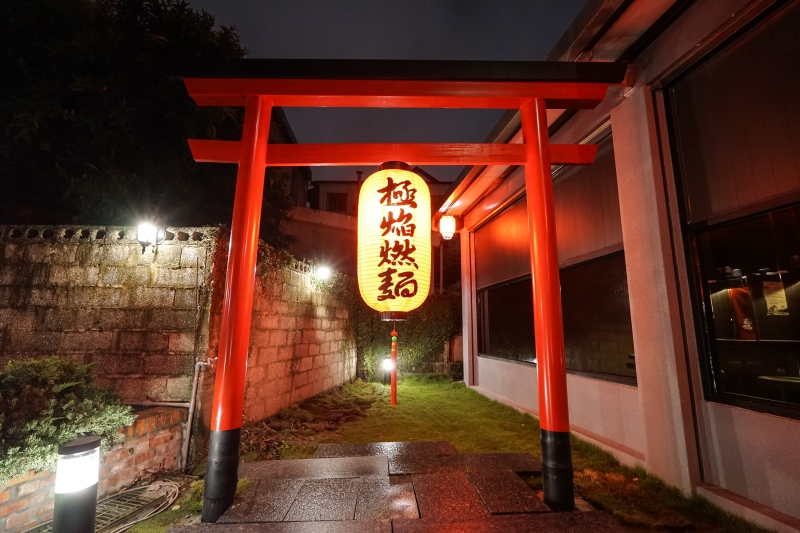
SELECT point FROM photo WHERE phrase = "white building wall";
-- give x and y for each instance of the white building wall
(604, 413)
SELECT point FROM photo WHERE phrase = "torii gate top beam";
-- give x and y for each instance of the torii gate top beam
(399, 84)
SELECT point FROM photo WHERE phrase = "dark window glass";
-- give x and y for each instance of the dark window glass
(597, 321)
(750, 276)
(337, 202)
(505, 321)
(598, 336)
(737, 118)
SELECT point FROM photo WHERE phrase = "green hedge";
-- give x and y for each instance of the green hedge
(46, 402)
(421, 337)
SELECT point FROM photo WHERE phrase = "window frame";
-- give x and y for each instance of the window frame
(699, 299)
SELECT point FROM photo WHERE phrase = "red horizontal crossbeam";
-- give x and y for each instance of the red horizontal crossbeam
(303, 155)
(395, 93)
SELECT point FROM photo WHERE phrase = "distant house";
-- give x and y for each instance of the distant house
(296, 179)
(341, 196)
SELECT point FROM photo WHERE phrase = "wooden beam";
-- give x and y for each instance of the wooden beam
(302, 155)
(395, 93)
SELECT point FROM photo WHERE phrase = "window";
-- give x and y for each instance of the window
(737, 138)
(337, 202)
(750, 274)
(505, 321)
(598, 337)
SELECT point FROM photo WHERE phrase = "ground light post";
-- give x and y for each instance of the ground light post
(398, 268)
(77, 477)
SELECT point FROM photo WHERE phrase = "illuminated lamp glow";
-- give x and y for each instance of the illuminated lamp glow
(447, 227)
(394, 240)
(323, 273)
(147, 234)
(387, 364)
(78, 465)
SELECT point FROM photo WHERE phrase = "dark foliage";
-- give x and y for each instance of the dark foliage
(46, 402)
(95, 129)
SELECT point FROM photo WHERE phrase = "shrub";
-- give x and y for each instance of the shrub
(421, 337)
(46, 402)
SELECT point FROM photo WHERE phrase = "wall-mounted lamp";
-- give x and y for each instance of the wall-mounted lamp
(447, 227)
(149, 234)
(77, 476)
(322, 273)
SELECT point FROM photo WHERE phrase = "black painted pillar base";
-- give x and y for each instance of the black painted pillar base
(557, 471)
(75, 512)
(222, 473)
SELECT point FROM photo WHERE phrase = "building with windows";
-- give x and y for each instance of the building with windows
(341, 196)
(679, 251)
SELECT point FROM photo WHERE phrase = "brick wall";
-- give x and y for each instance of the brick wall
(297, 346)
(153, 441)
(93, 295)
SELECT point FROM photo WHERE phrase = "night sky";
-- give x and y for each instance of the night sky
(518, 30)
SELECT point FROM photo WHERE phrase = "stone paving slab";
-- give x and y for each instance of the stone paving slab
(382, 498)
(404, 457)
(389, 449)
(515, 462)
(265, 500)
(325, 499)
(350, 526)
(591, 522)
(504, 492)
(343, 467)
(447, 496)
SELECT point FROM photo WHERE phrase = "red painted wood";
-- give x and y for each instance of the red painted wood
(288, 155)
(394, 369)
(548, 328)
(237, 306)
(395, 93)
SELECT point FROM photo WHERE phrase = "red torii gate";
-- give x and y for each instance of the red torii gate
(260, 84)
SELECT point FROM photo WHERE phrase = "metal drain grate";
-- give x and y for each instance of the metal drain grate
(112, 511)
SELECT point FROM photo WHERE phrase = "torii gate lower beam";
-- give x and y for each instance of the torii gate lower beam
(575, 86)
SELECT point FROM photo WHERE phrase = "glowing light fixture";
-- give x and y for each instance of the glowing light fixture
(323, 273)
(387, 364)
(394, 241)
(447, 227)
(149, 234)
(77, 476)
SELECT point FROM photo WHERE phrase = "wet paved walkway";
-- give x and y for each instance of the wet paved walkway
(396, 487)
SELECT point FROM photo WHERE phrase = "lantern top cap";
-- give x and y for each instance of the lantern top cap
(395, 165)
(80, 445)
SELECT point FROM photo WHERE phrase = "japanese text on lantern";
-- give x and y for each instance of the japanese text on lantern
(396, 254)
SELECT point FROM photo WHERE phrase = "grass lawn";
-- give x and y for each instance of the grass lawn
(433, 408)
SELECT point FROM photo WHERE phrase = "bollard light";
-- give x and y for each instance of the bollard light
(447, 227)
(77, 476)
(387, 367)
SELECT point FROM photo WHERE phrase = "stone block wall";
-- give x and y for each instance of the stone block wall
(298, 340)
(297, 344)
(152, 442)
(92, 294)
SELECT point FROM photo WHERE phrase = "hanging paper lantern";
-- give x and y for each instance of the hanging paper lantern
(394, 241)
